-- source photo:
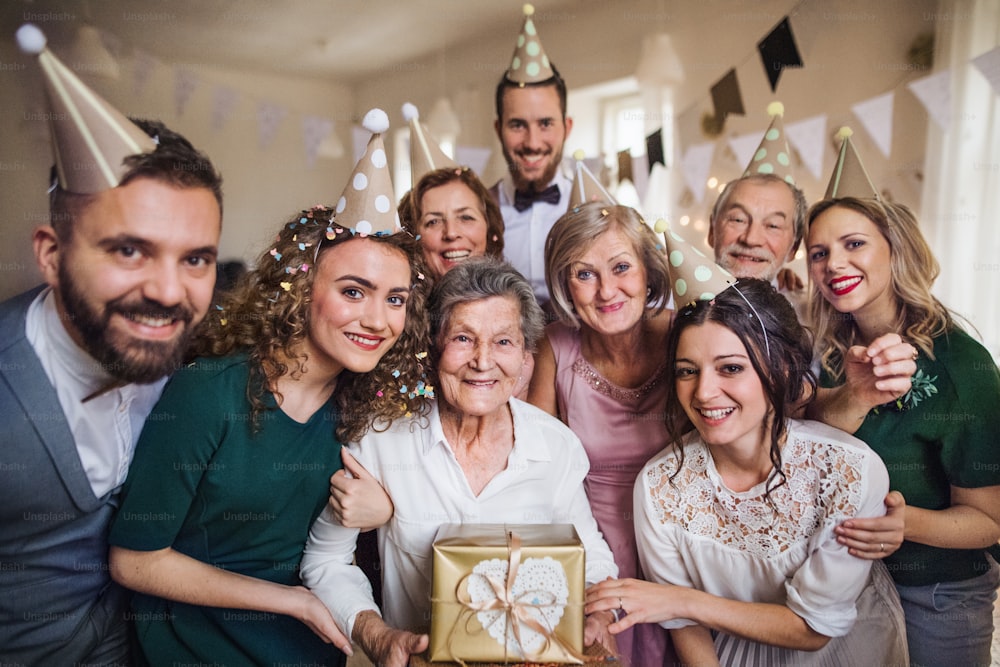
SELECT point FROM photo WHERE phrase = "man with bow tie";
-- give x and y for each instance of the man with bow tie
(532, 127)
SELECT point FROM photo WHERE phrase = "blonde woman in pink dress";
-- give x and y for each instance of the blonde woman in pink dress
(600, 369)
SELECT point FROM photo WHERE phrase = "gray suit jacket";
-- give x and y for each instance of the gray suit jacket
(57, 601)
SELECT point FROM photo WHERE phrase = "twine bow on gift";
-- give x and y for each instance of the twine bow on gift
(517, 609)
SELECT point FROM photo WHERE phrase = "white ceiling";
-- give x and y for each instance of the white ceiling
(340, 40)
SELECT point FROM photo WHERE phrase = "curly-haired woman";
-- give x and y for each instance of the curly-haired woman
(234, 463)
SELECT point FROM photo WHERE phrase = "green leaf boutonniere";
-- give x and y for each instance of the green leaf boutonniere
(921, 388)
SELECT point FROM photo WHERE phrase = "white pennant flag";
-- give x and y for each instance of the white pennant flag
(143, 67)
(640, 174)
(314, 130)
(989, 65)
(934, 92)
(655, 204)
(697, 163)
(744, 147)
(185, 83)
(808, 137)
(269, 117)
(474, 157)
(875, 115)
(224, 101)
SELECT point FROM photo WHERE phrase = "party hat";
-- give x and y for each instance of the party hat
(773, 156)
(425, 153)
(90, 138)
(366, 205)
(529, 64)
(693, 275)
(849, 177)
(586, 187)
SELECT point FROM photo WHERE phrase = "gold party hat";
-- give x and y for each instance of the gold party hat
(849, 178)
(586, 187)
(529, 63)
(693, 275)
(425, 152)
(90, 138)
(773, 155)
(367, 203)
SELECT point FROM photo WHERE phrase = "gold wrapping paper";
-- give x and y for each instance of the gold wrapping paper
(457, 631)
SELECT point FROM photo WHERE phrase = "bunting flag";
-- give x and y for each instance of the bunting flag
(185, 83)
(934, 92)
(624, 165)
(808, 138)
(314, 130)
(744, 146)
(224, 100)
(696, 165)
(875, 115)
(654, 148)
(656, 203)
(726, 97)
(626, 194)
(778, 51)
(474, 157)
(640, 174)
(989, 65)
(269, 117)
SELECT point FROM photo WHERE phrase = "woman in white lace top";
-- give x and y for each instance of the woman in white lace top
(734, 520)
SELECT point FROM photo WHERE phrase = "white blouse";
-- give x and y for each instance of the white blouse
(542, 483)
(693, 531)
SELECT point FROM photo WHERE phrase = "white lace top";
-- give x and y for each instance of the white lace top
(695, 532)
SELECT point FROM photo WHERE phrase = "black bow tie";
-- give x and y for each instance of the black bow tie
(524, 200)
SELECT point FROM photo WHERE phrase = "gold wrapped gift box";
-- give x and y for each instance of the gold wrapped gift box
(481, 614)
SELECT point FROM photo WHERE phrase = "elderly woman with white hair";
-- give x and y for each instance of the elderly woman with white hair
(479, 456)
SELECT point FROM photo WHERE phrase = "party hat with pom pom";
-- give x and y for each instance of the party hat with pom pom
(529, 64)
(693, 275)
(367, 203)
(425, 153)
(849, 177)
(586, 187)
(773, 155)
(90, 138)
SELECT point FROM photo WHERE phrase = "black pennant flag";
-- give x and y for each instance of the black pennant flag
(778, 51)
(726, 96)
(654, 148)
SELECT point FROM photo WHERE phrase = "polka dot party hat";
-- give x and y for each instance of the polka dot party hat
(693, 275)
(367, 205)
(586, 187)
(773, 156)
(849, 178)
(90, 138)
(425, 153)
(529, 64)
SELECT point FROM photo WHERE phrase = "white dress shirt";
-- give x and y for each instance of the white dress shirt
(542, 483)
(106, 427)
(525, 231)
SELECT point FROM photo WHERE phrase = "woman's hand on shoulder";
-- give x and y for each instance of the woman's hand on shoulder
(875, 537)
(357, 500)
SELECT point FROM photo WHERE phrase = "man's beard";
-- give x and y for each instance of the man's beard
(766, 270)
(121, 356)
(539, 183)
